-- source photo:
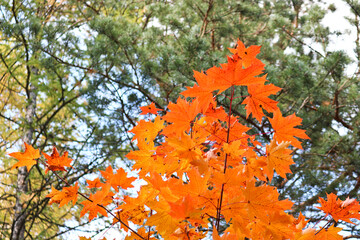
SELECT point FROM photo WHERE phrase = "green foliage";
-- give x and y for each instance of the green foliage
(98, 61)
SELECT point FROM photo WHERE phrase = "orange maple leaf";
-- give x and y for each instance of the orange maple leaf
(261, 200)
(164, 223)
(233, 74)
(237, 132)
(142, 232)
(185, 147)
(164, 186)
(149, 109)
(84, 238)
(146, 131)
(144, 157)
(97, 202)
(186, 209)
(284, 129)
(279, 226)
(64, 196)
(202, 91)
(133, 209)
(300, 222)
(214, 113)
(184, 232)
(278, 158)
(198, 184)
(96, 183)
(56, 162)
(120, 179)
(247, 55)
(182, 114)
(258, 99)
(26, 158)
(331, 233)
(340, 210)
(255, 167)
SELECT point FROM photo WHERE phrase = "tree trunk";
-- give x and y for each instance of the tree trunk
(18, 225)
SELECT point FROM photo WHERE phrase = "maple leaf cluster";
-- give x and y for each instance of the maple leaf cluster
(54, 162)
(205, 175)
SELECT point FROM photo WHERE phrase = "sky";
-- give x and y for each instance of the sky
(337, 21)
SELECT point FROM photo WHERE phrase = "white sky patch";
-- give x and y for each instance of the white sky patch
(336, 21)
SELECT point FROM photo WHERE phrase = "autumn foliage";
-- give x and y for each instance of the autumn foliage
(205, 175)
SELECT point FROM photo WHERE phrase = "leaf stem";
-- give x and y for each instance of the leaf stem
(325, 226)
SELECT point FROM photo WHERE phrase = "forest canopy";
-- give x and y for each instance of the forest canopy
(75, 74)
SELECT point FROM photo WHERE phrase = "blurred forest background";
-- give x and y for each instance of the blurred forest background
(73, 73)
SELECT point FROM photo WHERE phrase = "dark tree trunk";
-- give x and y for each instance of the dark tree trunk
(18, 226)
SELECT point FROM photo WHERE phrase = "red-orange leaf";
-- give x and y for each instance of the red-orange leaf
(146, 131)
(202, 91)
(149, 109)
(120, 179)
(64, 196)
(332, 233)
(261, 200)
(258, 99)
(84, 238)
(278, 158)
(300, 222)
(181, 115)
(214, 113)
(233, 73)
(26, 158)
(96, 183)
(284, 129)
(340, 210)
(247, 55)
(56, 162)
(185, 209)
(93, 206)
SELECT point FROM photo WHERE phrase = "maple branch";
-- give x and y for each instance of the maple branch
(300, 41)
(105, 75)
(84, 196)
(337, 114)
(351, 237)
(248, 120)
(26, 46)
(320, 220)
(218, 216)
(43, 127)
(205, 21)
(229, 121)
(242, 96)
(354, 191)
(10, 72)
(209, 200)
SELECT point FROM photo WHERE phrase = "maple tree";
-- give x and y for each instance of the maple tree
(204, 174)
